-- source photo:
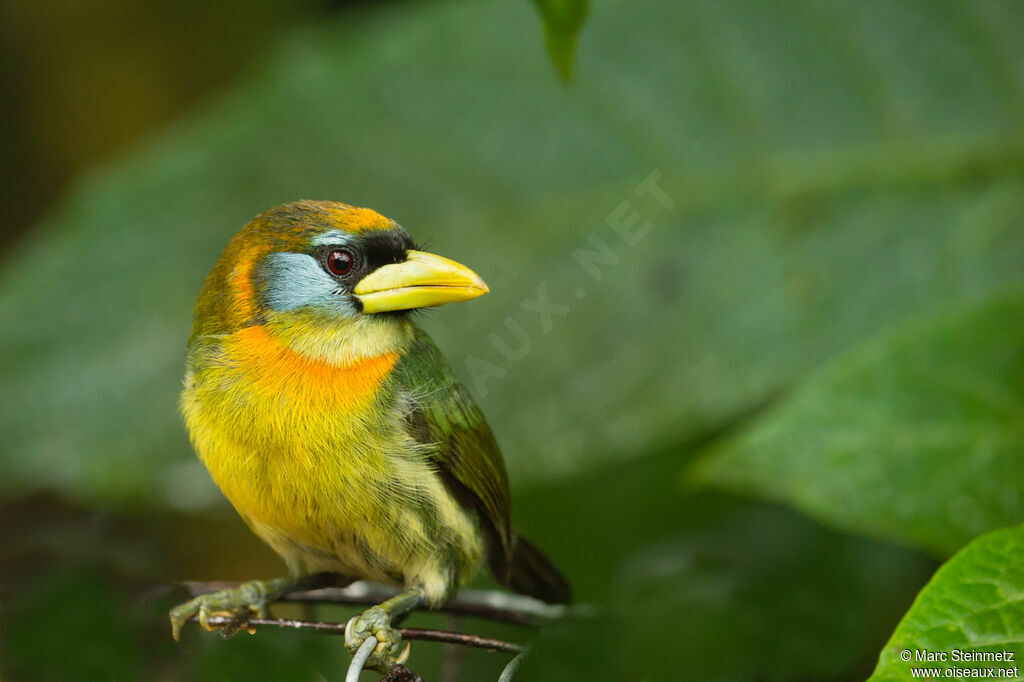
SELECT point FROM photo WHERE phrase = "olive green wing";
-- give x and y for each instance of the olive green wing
(467, 455)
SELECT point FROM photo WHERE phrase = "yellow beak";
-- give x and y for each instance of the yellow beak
(422, 280)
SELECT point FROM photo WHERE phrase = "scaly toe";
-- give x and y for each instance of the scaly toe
(242, 601)
(389, 650)
(182, 614)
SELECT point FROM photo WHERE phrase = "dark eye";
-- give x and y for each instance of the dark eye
(340, 261)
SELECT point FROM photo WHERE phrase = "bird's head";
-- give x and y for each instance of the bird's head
(328, 279)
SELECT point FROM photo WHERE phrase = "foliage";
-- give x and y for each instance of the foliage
(563, 20)
(973, 605)
(917, 436)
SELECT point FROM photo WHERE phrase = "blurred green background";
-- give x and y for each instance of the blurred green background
(783, 378)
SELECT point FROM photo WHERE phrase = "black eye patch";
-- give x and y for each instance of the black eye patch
(383, 247)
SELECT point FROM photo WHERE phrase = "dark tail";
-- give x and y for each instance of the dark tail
(530, 572)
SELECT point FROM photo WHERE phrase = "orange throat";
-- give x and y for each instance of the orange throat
(273, 371)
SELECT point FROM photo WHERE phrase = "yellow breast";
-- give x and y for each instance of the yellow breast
(316, 459)
(284, 436)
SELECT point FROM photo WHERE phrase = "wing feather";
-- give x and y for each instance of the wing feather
(466, 452)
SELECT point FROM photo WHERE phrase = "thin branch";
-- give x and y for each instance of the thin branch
(486, 604)
(231, 624)
(474, 641)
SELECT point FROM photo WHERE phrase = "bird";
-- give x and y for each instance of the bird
(336, 428)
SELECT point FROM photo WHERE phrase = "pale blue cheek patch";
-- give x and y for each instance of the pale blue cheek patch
(296, 280)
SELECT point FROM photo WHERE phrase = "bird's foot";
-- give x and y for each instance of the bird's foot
(376, 621)
(242, 602)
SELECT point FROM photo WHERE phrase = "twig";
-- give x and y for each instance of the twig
(421, 634)
(475, 641)
(489, 605)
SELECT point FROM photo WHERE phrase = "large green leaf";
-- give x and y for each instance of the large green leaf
(917, 436)
(829, 169)
(969, 620)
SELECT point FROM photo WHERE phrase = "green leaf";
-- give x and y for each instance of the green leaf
(971, 614)
(827, 169)
(563, 20)
(917, 436)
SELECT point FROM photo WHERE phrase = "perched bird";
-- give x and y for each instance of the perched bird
(334, 425)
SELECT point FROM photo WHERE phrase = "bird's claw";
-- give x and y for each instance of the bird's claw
(389, 651)
(240, 602)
